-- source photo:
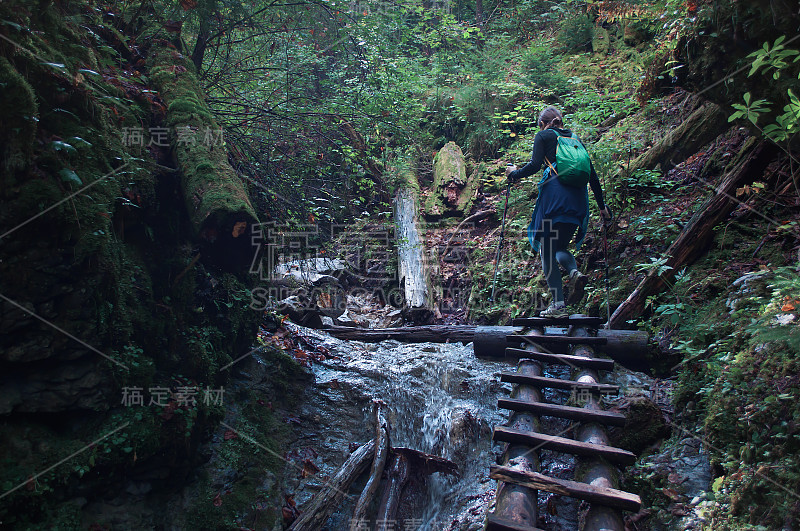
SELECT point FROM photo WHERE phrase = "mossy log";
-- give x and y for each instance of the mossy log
(452, 192)
(703, 125)
(693, 241)
(215, 197)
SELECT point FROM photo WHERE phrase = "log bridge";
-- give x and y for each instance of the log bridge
(596, 469)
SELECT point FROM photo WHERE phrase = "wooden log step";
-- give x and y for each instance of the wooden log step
(556, 340)
(589, 322)
(617, 499)
(562, 444)
(609, 418)
(602, 364)
(495, 523)
(543, 382)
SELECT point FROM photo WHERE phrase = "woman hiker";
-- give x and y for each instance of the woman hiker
(560, 211)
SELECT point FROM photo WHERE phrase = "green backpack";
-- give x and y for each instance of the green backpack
(572, 160)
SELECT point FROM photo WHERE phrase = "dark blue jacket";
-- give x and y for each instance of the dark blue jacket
(557, 203)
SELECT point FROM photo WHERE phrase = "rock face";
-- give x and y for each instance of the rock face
(107, 281)
(452, 192)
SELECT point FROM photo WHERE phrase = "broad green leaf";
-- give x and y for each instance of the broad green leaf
(70, 176)
(58, 145)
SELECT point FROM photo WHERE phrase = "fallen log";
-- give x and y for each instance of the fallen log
(215, 197)
(491, 341)
(693, 241)
(398, 477)
(378, 464)
(427, 463)
(701, 127)
(328, 499)
(411, 334)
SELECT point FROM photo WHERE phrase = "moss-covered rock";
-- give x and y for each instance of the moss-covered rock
(452, 193)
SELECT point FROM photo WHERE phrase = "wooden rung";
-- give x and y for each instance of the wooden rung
(555, 321)
(618, 499)
(556, 340)
(603, 364)
(495, 523)
(562, 444)
(565, 412)
(543, 382)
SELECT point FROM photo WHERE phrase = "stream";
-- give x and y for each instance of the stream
(441, 400)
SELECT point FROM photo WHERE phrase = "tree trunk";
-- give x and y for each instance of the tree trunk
(412, 269)
(514, 503)
(593, 470)
(693, 241)
(200, 45)
(390, 500)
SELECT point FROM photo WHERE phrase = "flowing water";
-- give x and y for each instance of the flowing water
(441, 399)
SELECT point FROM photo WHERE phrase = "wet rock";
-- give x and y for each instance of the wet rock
(67, 386)
(645, 425)
(745, 287)
(347, 320)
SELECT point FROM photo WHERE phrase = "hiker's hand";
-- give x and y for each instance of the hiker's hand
(509, 169)
(605, 213)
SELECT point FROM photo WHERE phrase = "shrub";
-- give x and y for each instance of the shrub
(575, 33)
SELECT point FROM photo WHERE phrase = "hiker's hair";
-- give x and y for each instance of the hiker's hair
(551, 117)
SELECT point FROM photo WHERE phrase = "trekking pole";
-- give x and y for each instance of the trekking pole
(500, 244)
(606, 223)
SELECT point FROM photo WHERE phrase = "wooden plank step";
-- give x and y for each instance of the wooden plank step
(543, 382)
(603, 364)
(556, 340)
(617, 499)
(589, 322)
(609, 418)
(495, 523)
(562, 444)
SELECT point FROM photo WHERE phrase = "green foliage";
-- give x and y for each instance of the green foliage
(575, 32)
(539, 65)
(776, 59)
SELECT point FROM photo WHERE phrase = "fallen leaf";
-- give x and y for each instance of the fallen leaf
(671, 494)
(309, 469)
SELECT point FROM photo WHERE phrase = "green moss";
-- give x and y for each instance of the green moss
(212, 189)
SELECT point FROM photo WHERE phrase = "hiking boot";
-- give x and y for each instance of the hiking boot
(556, 309)
(576, 284)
